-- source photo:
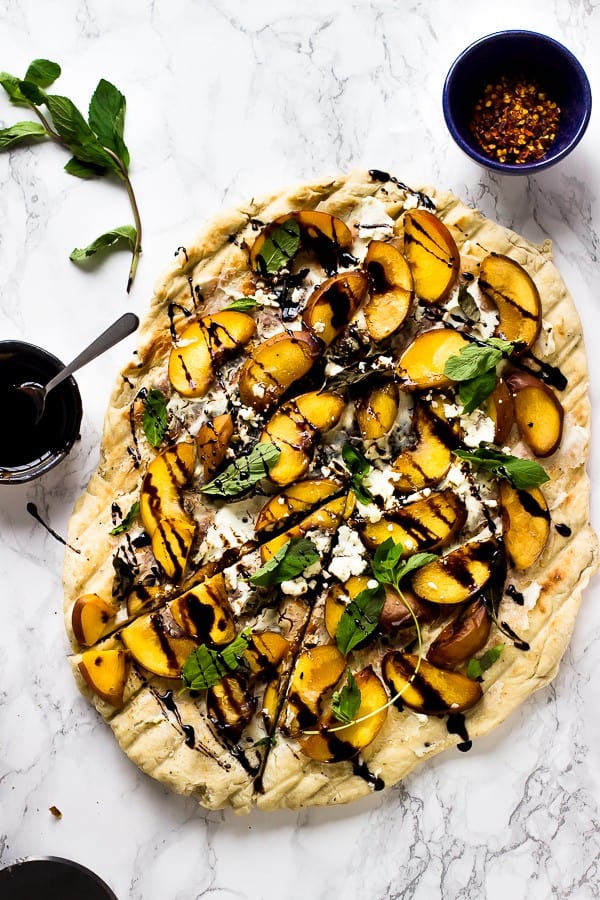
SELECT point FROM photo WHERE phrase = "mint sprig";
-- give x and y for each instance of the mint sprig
(346, 702)
(279, 248)
(359, 619)
(244, 472)
(97, 145)
(290, 560)
(475, 369)
(206, 667)
(155, 418)
(128, 520)
(522, 473)
(480, 664)
(359, 467)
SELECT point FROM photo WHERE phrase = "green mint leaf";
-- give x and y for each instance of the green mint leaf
(77, 134)
(42, 72)
(478, 665)
(522, 473)
(386, 559)
(205, 667)
(346, 703)
(506, 347)
(475, 391)
(106, 116)
(359, 467)
(244, 472)
(279, 247)
(21, 132)
(10, 83)
(290, 560)
(154, 421)
(84, 170)
(124, 234)
(128, 520)
(359, 618)
(244, 304)
(414, 562)
(473, 360)
(266, 741)
(468, 305)
(34, 94)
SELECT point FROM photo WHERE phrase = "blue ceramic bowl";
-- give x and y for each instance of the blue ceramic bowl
(536, 58)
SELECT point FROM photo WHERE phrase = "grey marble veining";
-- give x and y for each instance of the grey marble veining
(228, 100)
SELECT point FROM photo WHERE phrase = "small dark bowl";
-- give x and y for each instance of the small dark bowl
(52, 876)
(534, 57)
(28, 450)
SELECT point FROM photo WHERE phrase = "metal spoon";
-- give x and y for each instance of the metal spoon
(37, 393)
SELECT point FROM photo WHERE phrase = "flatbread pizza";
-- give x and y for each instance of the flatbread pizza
(341, 517)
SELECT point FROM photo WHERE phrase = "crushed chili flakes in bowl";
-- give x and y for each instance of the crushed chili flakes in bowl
(515, 121)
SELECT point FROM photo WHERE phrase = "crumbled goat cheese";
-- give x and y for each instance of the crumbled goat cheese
(348, 555)
(296, 587)
(477, 428)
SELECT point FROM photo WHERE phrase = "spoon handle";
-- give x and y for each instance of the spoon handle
(125, 325)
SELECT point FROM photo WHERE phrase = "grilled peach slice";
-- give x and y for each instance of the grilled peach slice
(428, 461)
(326, 233)
(331, 307)
(422, 364)
(511, 290)
(274, 365)
(391, 289)
(317, 670)
(325, 518)
(91, 618)
(265, 651)
(428, 690)
(458, 575)
(155, 643)
(499, 408)
(212, 442)
(294, 428)
(376, 412)
(422, 525)
(105, 672)
(160, 493)
(171, 545)
(526, 523)
(204, 612)
(432, 255)
(203, 346)
(461, 638)
(335, 746)
(294, 500)
(395, 613)
(230, 705)
(538, 413)
(142, 597)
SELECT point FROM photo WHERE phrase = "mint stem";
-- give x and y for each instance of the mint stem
(137, 248)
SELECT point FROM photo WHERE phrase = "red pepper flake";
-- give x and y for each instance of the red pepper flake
(515, 121)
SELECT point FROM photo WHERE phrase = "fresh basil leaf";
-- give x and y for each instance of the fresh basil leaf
(84, 170)
(128, 521)
(77, 134)
(20, 132)
(522, 473)
(10, 83)
(359, 618)
(290, 560)
(154, 421)
(124, 234)
(244, 304)
(359, 467)
(468, 305)
(346, 703)
(244, 472)
(42, 72)
(473, 392)
(279, 247)
(205, 667)
(478, 665)
(106, 116)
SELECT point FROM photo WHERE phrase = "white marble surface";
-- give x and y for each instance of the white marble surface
(226, 100)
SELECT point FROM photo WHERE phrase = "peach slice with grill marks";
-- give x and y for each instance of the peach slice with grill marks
(274, 365)
(526, 523)
(458, 576)
(538, 413)
(428, 461)
(106, 672)
(422, 525)
(326, 518)
(499, 408)
(319, 230)
(157, 643)
(203, 346)
(265, 651)
(317, 671)
(91, 618)
(395, 613)
(376, 412)
(391, 292)
(294, 501)
(512, 291)
(212, 442)
(422, 364)
(428, 690)
(347, 742)
(230, 705)
(462, 637)
(432, 255)
(294, 429)
(331, 307)
(204, 612)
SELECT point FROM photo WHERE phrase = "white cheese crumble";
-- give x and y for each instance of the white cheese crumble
(477, 428)
(381, 484)
(348, 555)
(296, 587)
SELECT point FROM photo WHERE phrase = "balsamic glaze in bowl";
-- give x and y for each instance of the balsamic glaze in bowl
(52, 877)
(29, 449)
